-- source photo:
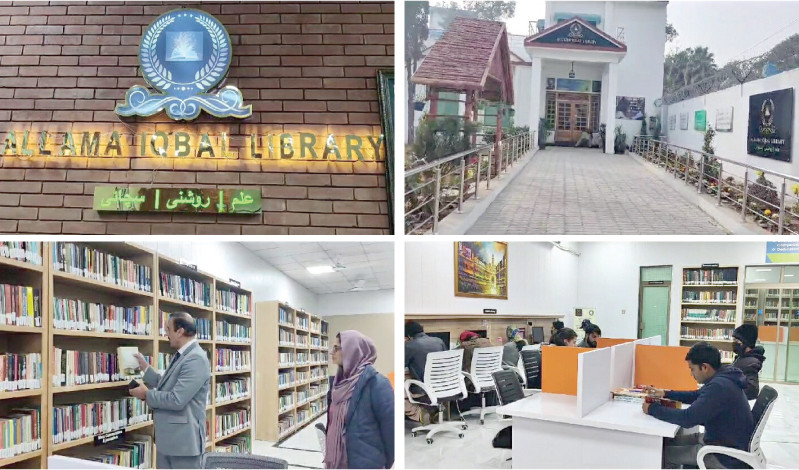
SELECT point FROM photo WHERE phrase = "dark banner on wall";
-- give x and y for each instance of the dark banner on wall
(770, 125)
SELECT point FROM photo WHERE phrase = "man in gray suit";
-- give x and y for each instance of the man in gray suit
(178, 397)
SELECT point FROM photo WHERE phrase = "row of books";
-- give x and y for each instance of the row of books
(302, 341)
(303, 376)
(302, 322)
(203, 325)
(233, 332)
(79, 315)
(316, 325)
(234, 302)
(21, 432)
(231, 422)
(286, 424)
(727, 356)
(285, 378)
(285, 359)
(690, 332)
(72, 422)
(727, 297)
(285, 401)
(232, 360)
(317, 357)
(185, 289)
(318, 406)
(239, 444)
(302, 358)
(232, 390)
(101, 266)
(710, 276)
(135, 452)
(708, 314)
(320, 388)
(21, 371)
(285, 316)
(29, 252)
(318, 372)
(285, 337)
(87, 367)
(316, 342)
(20, 305)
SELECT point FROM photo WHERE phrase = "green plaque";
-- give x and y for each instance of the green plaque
(700, 120)
(186, 200)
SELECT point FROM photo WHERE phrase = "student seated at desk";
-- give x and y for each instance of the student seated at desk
(417, 346)
(564, 337)
(511, 350)
(720, 406)
(592, 332)
(749, 357)
(469, 342)
(557, 325)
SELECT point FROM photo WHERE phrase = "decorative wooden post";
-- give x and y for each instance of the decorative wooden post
(498, 139)
(434, 102)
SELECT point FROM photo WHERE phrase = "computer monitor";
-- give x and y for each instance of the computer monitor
(444, 336)
(481, 333)
(537, 335)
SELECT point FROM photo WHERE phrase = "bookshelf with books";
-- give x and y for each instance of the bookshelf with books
(101, 298)
(709, 308)
(23, 354)
(292, 393)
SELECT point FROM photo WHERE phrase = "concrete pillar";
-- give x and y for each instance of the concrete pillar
(609, 105)
(535, 96)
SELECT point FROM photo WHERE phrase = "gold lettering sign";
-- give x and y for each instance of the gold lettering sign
(303, 146)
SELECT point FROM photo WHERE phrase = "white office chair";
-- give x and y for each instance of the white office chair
(443, 382)
(755, 457)
(532, 347)
(520, 370)
(485, 362)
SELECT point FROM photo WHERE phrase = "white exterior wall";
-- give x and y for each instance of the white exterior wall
(522, 96)
(588, 8)
(732, 145)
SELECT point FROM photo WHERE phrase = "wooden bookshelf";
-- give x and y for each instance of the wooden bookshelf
(305, 329)
(28, 339)
(710, 304)
(52, 284)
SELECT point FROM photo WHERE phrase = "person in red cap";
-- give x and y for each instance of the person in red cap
(469, 342)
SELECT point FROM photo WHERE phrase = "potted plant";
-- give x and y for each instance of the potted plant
(620, 141)
(543, 129)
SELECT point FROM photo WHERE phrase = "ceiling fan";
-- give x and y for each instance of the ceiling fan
(359, 286)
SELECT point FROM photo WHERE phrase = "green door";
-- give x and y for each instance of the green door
(654, 319)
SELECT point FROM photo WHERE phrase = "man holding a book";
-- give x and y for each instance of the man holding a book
(720, 406)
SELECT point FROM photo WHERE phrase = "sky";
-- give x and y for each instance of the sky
(748, 28)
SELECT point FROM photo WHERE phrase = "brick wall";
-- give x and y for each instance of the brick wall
(307, 67)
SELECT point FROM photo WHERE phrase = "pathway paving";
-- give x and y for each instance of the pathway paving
(582, 191)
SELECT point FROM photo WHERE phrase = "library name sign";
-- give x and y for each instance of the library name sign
(304, 146)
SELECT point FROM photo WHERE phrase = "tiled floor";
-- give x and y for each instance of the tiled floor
(780, 441)
(301, 450)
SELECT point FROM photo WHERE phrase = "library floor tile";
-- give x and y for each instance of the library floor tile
(582, 191)
(300, 450)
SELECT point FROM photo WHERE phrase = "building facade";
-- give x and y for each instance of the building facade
(307, 152)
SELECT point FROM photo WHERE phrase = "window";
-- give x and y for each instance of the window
(550, 112)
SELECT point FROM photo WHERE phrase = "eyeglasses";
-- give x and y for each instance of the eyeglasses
(336, 348)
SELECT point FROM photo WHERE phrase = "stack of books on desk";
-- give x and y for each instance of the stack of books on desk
(637, 395)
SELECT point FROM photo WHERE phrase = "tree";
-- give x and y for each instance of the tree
(671, 33)
(416, 32)
(687, 67)
(494, 11)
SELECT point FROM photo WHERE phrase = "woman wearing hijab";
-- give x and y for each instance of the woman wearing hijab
(360, 415)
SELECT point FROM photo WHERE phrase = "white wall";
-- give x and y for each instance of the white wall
(732, 145)
(541, 281)
(522, 96)
(357, 303)
(232, 260)
(608, 277)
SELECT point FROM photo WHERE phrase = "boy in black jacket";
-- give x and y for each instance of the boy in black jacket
(720, 405)
(750, 357)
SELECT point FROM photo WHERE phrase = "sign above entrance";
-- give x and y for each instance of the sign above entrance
(183, 54)
(575, 33)
(193, 200)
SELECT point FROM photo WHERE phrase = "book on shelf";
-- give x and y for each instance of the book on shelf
(232, 360)
(728, 276)
(238, 444)
(76, 421)
(233, 332)
(79, 315)
(285, 378)
(302, 322)
(708, 314)
(29, 252)
(70, 368)
(692, 332)
(20, 431)
(100, 266)
(185, 289)
(234, 389)
(285, 316)
(203, 325)
(20, 305)
(232, 421)
(637, 395)
(285, 425)
(126, 355)
(724, 296)
(233, 302)
(20, 371)
(285, 401)
(136, 451)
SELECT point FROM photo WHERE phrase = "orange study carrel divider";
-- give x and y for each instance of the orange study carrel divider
(769, 333)
(391, 378)
(559, 369)
(608, 342)
(663, 367)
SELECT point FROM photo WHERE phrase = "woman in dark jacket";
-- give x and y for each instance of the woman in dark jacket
(360, 415)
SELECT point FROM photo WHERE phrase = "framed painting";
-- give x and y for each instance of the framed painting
(481, 270)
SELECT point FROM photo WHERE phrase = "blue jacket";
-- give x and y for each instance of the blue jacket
(720, 406)
(369, 424)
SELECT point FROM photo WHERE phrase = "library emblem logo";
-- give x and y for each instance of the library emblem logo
(767, 116)
(183, 55)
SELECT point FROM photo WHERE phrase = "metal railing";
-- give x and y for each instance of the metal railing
(774, 207)
(434, 190)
